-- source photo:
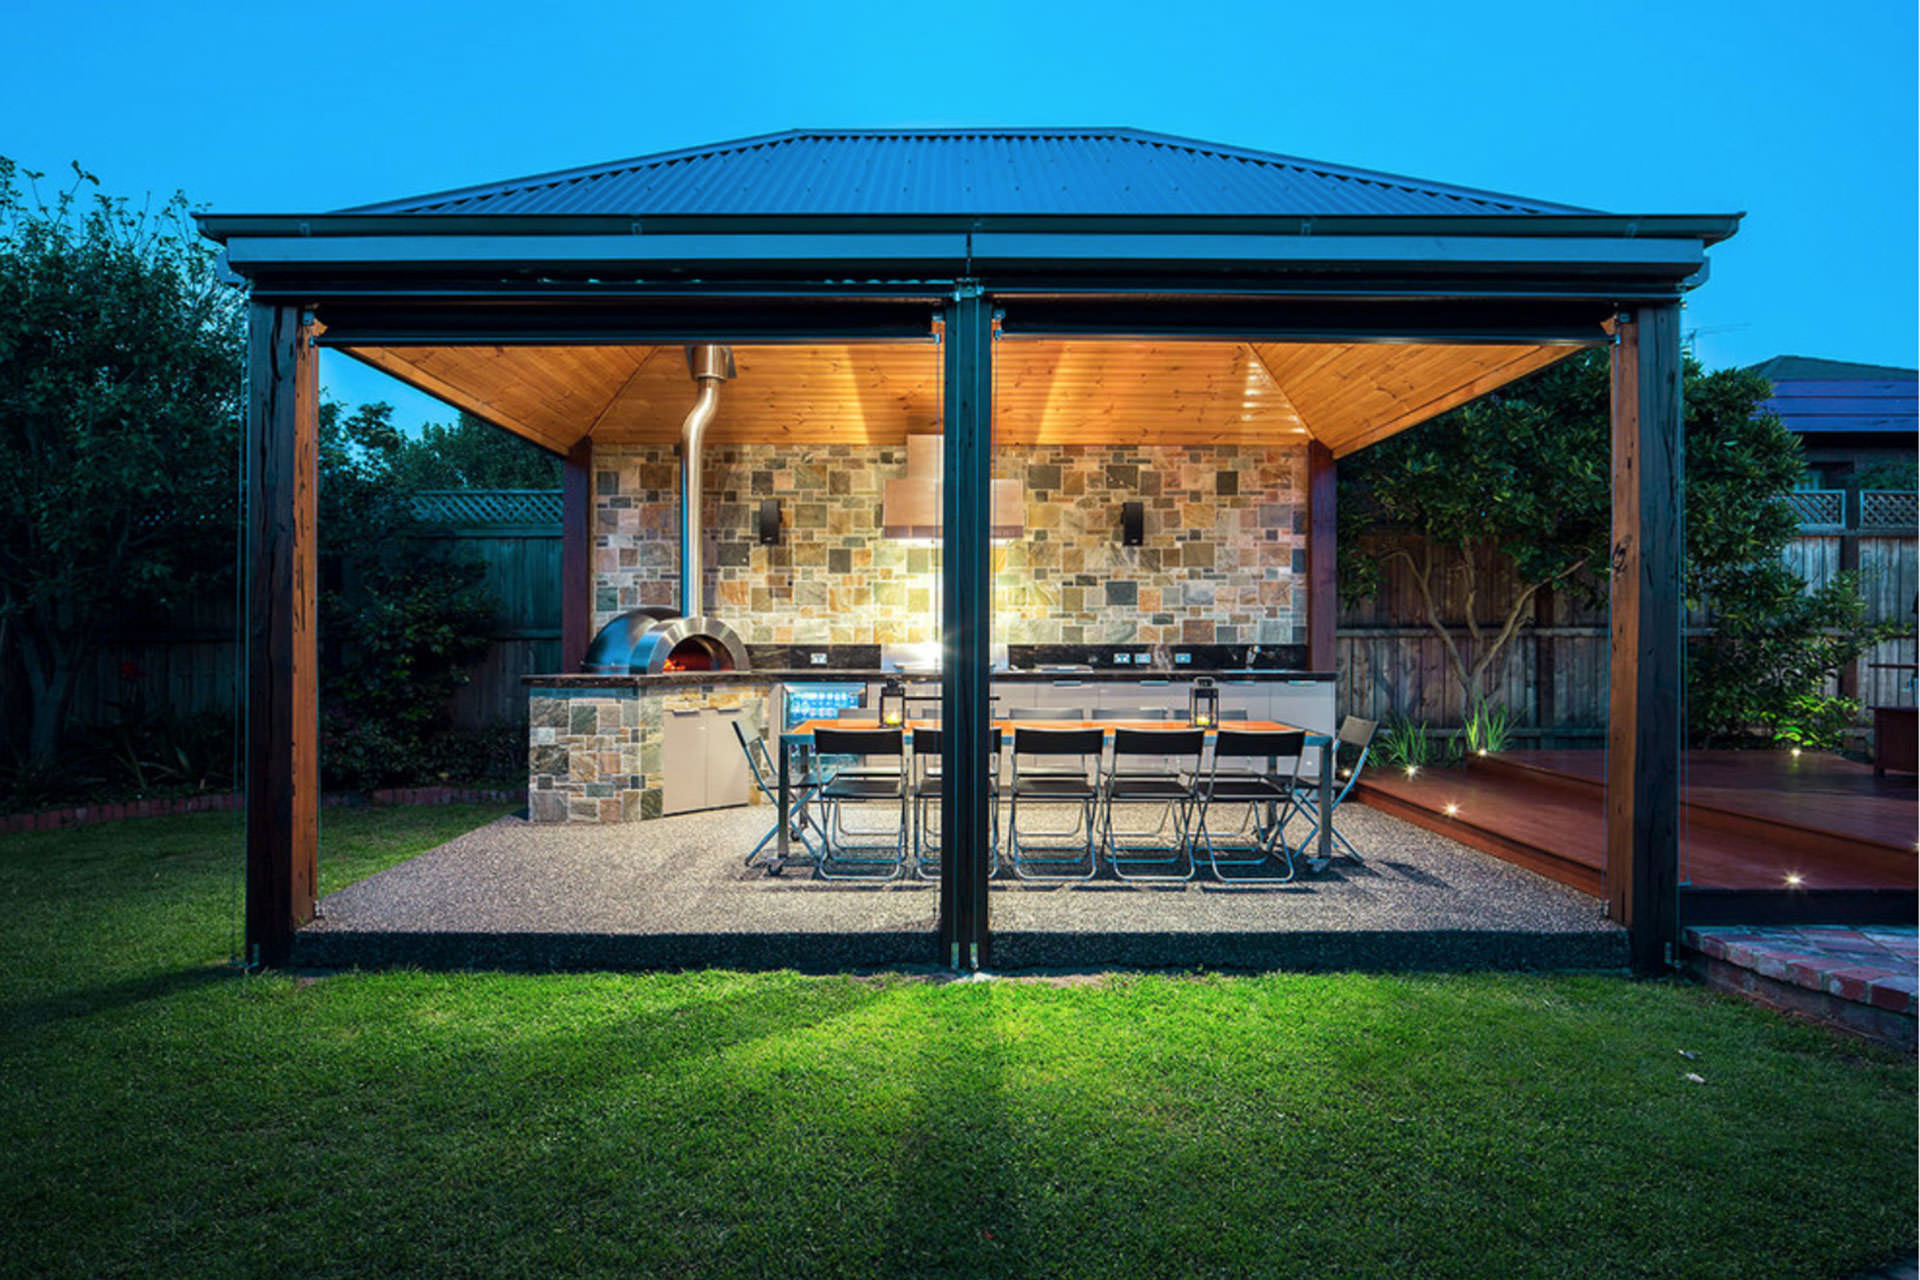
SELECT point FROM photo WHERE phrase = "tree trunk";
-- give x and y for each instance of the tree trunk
(48, 718)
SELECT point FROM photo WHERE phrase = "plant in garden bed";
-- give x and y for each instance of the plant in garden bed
(1488, 728)
(1402, 744)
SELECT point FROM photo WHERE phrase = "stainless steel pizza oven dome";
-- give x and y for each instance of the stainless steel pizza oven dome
(657, 641)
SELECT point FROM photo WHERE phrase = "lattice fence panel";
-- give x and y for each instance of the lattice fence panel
(1819, 508)
(469, 507)
(1893, 509)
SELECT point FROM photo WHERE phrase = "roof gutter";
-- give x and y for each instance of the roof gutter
(1709, 229)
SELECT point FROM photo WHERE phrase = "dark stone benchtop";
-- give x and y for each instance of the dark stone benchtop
(824, 675)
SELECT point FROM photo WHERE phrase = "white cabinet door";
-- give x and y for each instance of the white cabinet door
(1248, 696)
(1167, 695)
(683, 762)
(727, 782)
(1305, 703)
(1066, 696)
(1008, 694)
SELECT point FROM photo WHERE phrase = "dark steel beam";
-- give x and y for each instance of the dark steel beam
(967, 630)
(576, 555)
(1323, 597)
(1644, 725)
(1285, 318)
(623, 321)
(282, 737)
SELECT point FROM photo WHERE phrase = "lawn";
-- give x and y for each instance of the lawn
(166, 1115)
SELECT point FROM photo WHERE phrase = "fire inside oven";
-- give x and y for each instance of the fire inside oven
(698, 653)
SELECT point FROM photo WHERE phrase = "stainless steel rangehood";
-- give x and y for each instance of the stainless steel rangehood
(912, 506)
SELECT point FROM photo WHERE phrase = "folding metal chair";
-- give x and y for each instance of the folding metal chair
(846, 848)
(766, 779)
(1261, 769)
(1350, 747)
(1162, 786)
(1053, 787)
(927, 743)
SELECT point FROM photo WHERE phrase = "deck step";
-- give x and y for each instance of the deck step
(1551, 820)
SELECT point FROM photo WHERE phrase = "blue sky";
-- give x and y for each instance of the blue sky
(1806, 123)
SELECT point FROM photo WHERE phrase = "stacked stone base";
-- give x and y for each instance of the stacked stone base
(594, 754)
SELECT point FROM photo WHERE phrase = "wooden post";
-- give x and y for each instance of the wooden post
(1323, 601)
(1643, 724)
(283, 756)
(576, 554)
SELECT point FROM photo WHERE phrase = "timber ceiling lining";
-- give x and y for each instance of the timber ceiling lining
(1046, 391)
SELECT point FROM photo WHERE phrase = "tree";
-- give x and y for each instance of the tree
(121, 358)
(1525, 472)
(1522, 471)
(472, 454)
(401, 617)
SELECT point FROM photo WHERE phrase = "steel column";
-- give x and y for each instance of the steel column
(576, 554)
(967, 628)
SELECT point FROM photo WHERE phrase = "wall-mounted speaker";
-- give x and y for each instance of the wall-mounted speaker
(1133, 524)
(769, 522)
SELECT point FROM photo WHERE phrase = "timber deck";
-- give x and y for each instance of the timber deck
(1750, 819)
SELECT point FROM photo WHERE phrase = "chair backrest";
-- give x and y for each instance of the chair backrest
(1235, 713)
(1258, 753)
(870, 714)
(858, 742)
(1350, 748)
(1166, 744)
(1058, 742)
(1046, 713)
(1129, 713)
(929, 741)
(927, 745)
(1055, 743)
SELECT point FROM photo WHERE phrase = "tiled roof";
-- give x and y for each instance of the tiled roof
(968, 171)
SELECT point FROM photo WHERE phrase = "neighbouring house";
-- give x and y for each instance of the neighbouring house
(1858, 423)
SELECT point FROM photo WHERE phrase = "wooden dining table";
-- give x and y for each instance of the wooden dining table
(802, 735)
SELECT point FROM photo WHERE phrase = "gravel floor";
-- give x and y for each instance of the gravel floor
(682, 878)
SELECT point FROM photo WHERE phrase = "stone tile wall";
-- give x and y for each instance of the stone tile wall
(1223, 561)
(593, 755)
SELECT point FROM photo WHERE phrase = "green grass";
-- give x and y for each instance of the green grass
(165, 1115)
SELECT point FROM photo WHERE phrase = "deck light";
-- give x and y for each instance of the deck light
(1793, 879)
(1482, 751)
(1203, 704)
(1412, 769)
(1795, 753)
(1453, 810)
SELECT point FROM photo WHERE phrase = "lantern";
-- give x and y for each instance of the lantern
(1203, 704)
(893, 704)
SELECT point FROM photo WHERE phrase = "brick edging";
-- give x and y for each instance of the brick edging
(86, 814)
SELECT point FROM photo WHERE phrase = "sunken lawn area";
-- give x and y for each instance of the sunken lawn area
(164, 1114)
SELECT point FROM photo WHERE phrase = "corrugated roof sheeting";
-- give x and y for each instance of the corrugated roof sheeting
(1820, 405)
(1106, 171)
(1815, 395)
